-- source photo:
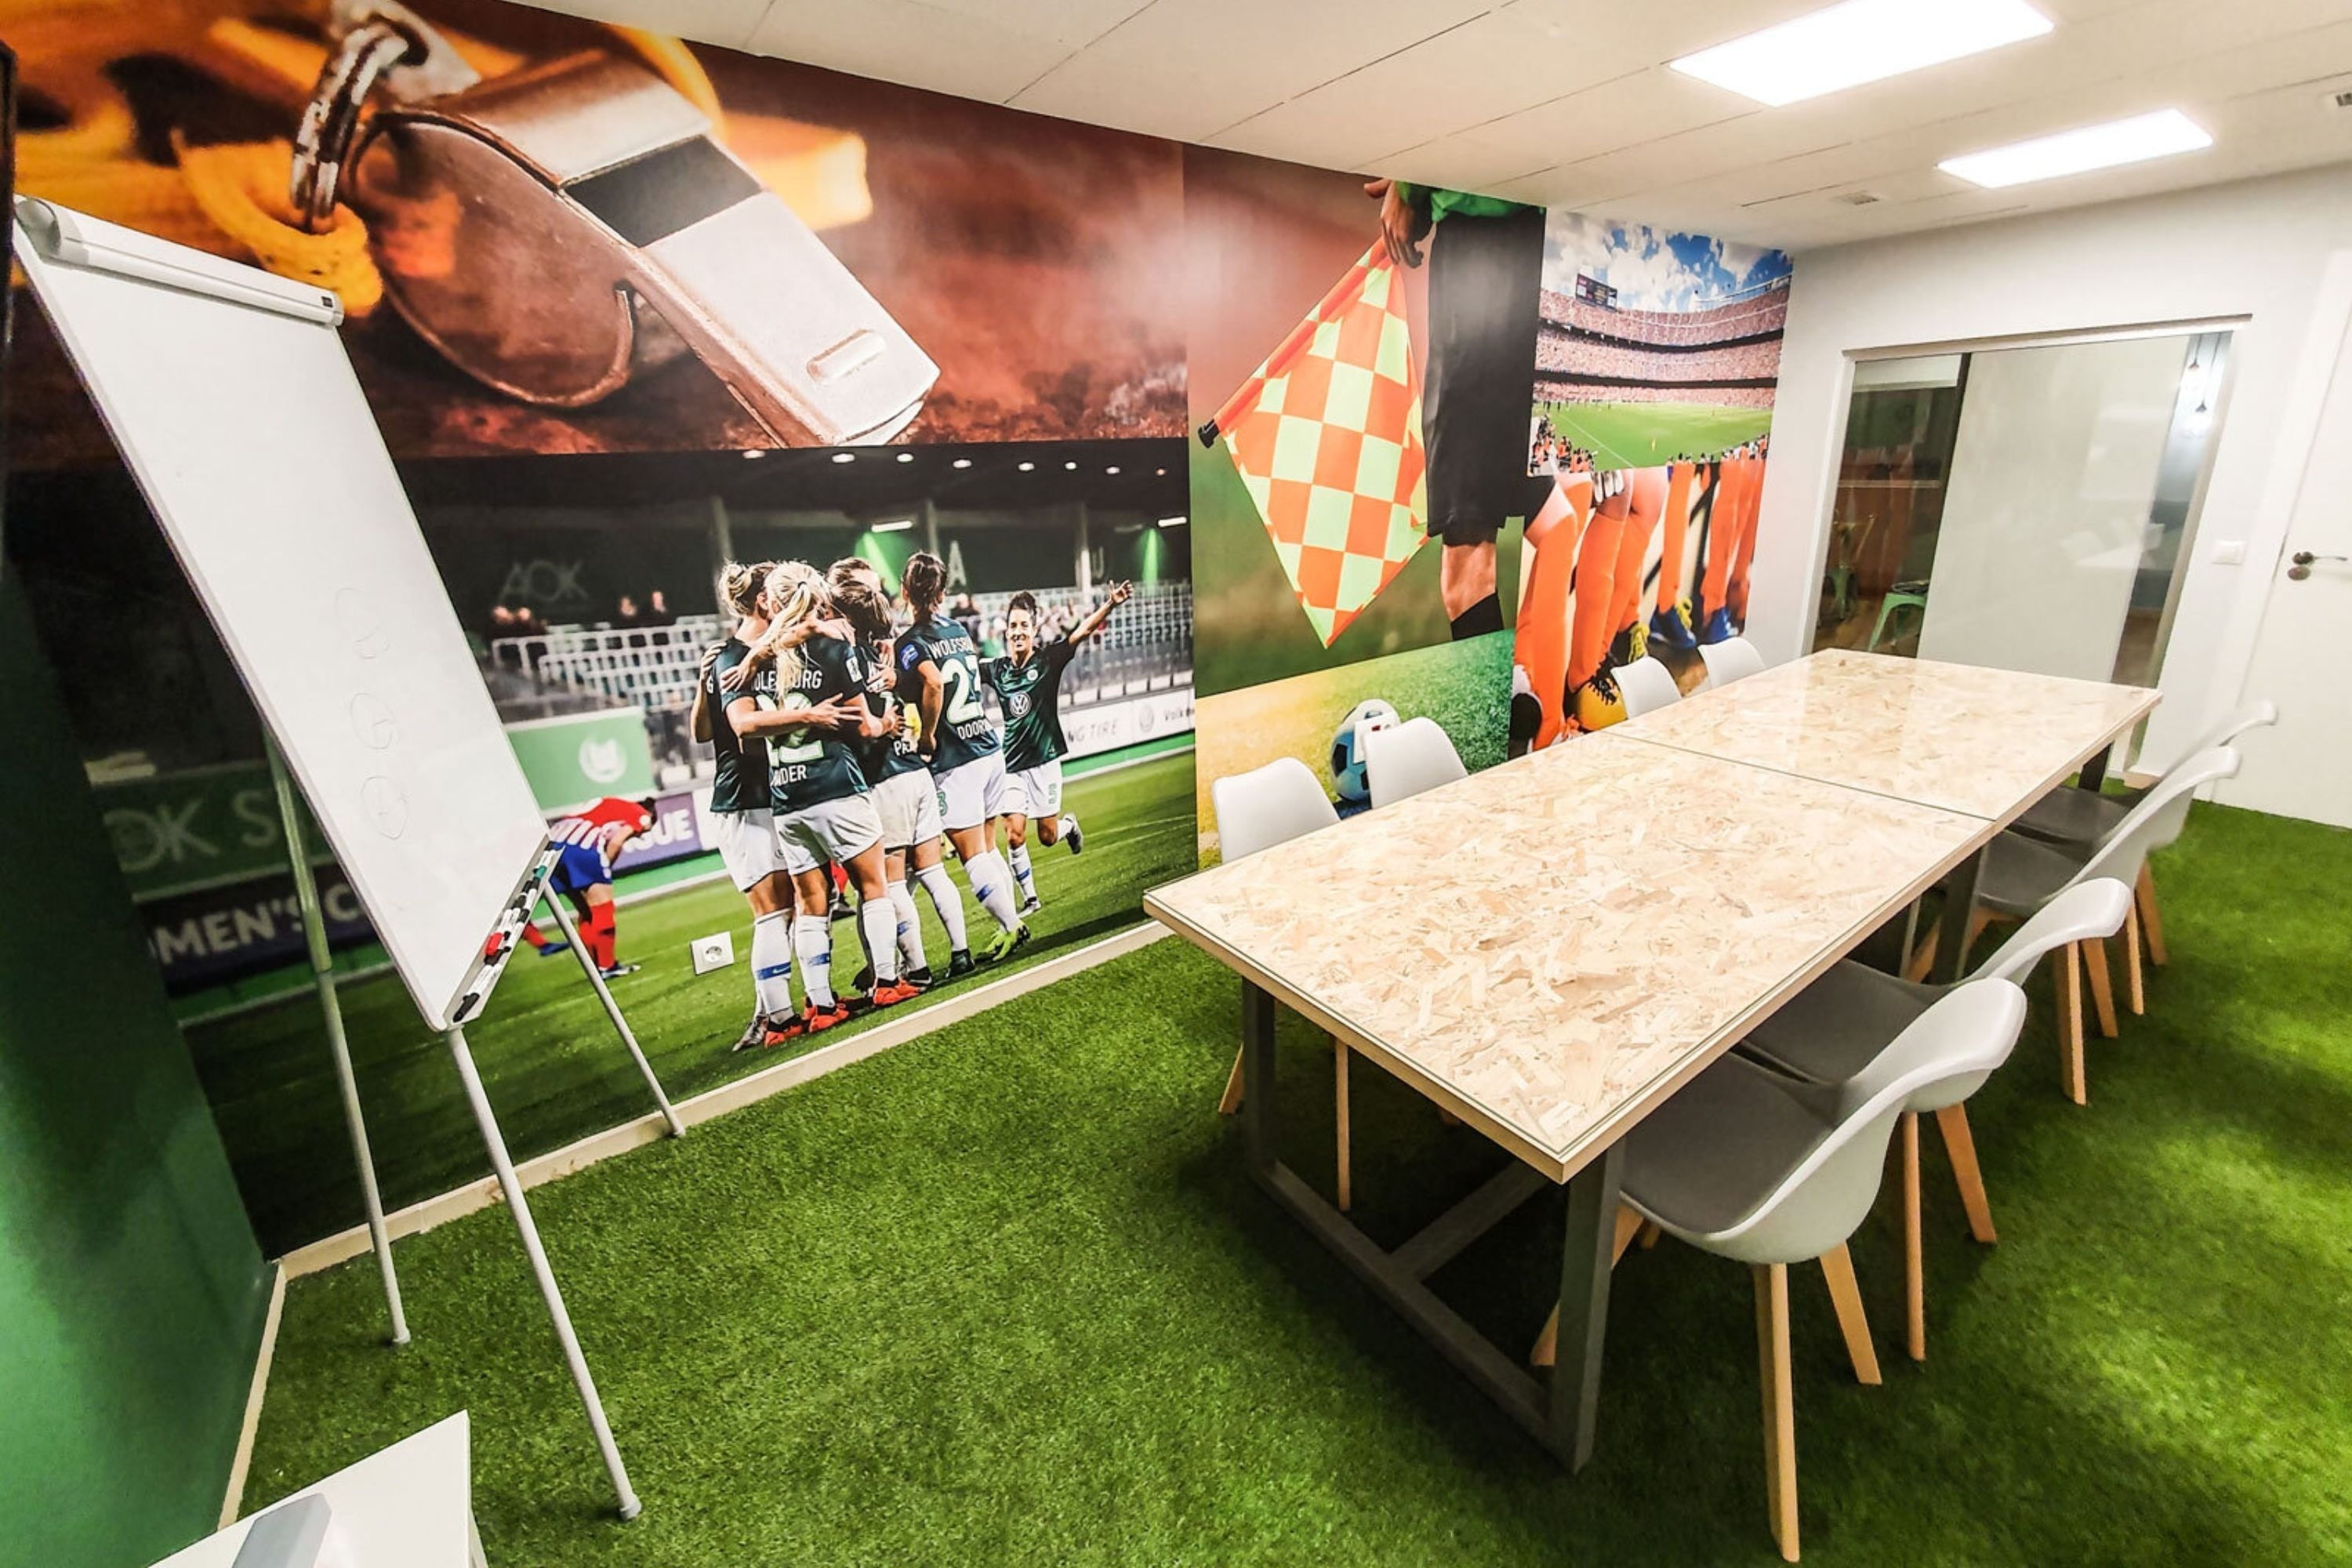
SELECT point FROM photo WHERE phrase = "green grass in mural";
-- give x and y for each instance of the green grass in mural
(555, 1070)
(1643, 435)
(1247, 626)
(1003, 1294)
(1466, 686)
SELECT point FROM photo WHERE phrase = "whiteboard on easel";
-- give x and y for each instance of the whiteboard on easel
(230, 396)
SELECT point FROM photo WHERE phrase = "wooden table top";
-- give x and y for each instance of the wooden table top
(1986, 742)
(1551, 947)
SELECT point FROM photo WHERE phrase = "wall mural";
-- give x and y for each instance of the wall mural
(1238, 455)
(1654, 381)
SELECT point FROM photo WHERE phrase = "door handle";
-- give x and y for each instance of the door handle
(2301, 561)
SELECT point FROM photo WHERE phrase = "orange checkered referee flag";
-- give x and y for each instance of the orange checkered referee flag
(1326, 437)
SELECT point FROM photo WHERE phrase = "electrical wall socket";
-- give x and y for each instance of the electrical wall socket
(713, 952)
(2228, 553)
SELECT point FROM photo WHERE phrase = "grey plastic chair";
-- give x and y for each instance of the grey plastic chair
(2081, 819)
(1255, 810)
(1734, 659)
(2020, 875)
(1833, 1031)
(1646, 686)
(1764, 1169)
(1406, 759)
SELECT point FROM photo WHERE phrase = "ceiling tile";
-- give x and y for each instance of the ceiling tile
(1191, 69)
(910, 42)
(724, 22)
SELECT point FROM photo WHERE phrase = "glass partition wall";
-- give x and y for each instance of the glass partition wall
(2027, 508)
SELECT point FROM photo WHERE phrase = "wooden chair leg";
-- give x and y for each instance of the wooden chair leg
(1340, 1097)
(1650, 1234)
(2103, 991)
(1779, 1405)
(2151, 924)
(1915, 1277)
(1232, 1096)
(2070, 1024)
(1922, 956)
(1978, 920)
(1952, 1121)
(1628, 1224)
(1837, 1265)
(2132, 987)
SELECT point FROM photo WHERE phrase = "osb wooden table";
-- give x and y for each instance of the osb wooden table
(1989, 743)
(1550, 949)
(1547, 950)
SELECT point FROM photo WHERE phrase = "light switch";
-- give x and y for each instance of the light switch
(2229, 552)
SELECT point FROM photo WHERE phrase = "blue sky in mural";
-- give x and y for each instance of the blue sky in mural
(1654, 269)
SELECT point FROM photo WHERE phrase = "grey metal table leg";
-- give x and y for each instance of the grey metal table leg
(1257, 1076)
(1560, 1417)
(1959, 903)
(1584, 1306)
(2093, 776)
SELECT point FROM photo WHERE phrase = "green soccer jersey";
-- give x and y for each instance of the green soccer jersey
(887, 756)
(1031, 696)
(809, 767)
(966, 732)
(741, 781)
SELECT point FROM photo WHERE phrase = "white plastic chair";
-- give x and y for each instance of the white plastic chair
(1408, 758)
(1255, 810)
(2080, 819)
(1756, 1167)
(1833, 1030)
(1734, 659)
(1646, 686)
(2021, 874)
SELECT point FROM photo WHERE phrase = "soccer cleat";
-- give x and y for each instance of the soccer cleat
(615, 971)
(1005, 942)
(782, 1032)
(1030, 906)
(892, 991)
(865, 981)
(1598, 703)
(754, 1033)
(920, 979)
(959, 963)
(1071, 836)
(1671, 627)
(549, 949)
(816, 1020)
(1631, 643)
(1719, 628)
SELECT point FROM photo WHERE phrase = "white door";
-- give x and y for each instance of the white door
(2304, 767)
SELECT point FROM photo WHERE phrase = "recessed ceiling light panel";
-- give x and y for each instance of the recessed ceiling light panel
(1859, 41)
(2133, 141)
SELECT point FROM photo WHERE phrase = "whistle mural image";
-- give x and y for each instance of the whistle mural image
(555, 235)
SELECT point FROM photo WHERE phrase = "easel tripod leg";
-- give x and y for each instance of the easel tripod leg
(510, 1186)
(612, 1008)
(339, 1047)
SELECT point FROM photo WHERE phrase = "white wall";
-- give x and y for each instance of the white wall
(2260, 249)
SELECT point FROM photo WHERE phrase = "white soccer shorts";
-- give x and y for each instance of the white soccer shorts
(909, 804)
(973, 793)
(836, 830)
(1035, 793)
(747, 843)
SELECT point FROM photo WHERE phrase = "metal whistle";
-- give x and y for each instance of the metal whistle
(554, 230)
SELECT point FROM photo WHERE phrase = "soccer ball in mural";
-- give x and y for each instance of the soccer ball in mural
(1347, 746)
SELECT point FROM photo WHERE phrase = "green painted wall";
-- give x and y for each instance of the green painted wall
(131, 1291)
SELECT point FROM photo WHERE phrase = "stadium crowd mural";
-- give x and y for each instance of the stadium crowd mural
(1130, 447)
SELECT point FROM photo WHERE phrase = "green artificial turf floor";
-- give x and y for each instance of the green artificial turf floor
(553, 1068)
(1003, 1294)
